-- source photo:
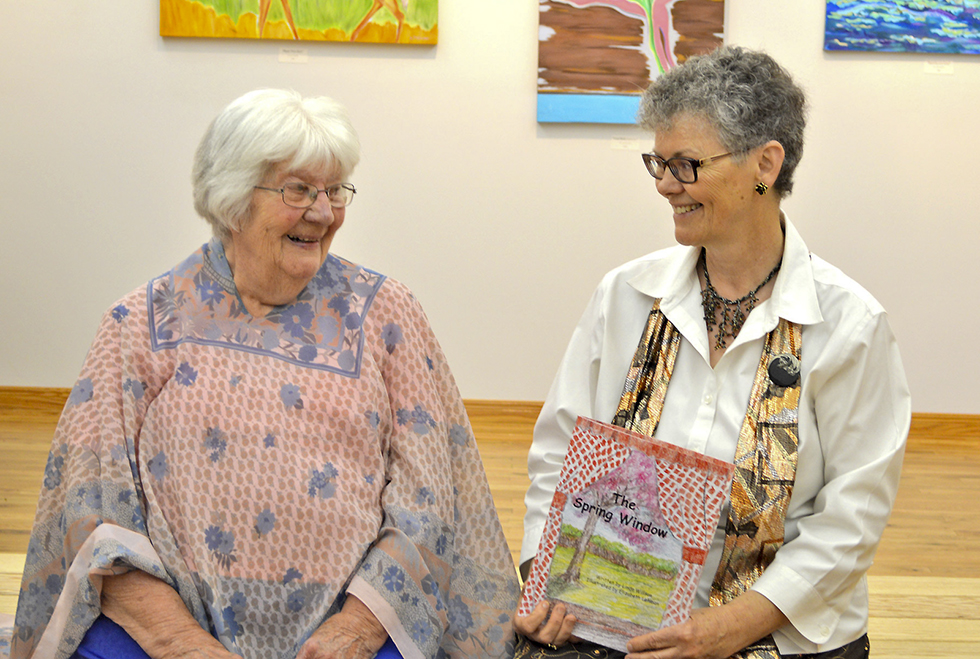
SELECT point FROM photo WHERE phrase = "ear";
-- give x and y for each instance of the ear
(771, 156)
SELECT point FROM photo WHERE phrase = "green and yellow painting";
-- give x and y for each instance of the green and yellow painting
(373, 21)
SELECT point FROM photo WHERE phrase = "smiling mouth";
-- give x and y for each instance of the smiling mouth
(303, 241)
(680, 210)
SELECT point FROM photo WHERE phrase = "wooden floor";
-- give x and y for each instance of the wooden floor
(925, 583)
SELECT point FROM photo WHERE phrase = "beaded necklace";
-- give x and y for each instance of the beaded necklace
(732, 316)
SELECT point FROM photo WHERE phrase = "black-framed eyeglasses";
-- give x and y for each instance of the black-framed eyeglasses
(303, 195)
(684, 170)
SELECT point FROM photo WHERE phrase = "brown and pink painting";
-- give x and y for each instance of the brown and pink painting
(596, 58)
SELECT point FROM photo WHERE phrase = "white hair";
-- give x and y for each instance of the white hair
(257, 132)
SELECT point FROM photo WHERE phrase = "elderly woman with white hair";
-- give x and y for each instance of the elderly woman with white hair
(266, 454)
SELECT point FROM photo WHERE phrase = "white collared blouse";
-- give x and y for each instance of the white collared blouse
(854, 418)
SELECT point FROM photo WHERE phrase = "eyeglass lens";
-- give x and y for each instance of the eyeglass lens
(302, 195)
(681, 168)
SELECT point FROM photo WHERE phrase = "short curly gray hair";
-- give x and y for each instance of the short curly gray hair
(258, 131)
(744, 94)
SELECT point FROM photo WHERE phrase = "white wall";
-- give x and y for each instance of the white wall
(500, 225)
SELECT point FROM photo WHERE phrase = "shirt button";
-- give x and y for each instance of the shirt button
(824, 630)
(708, 399)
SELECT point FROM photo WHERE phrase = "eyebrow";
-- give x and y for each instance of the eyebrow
(303, 178)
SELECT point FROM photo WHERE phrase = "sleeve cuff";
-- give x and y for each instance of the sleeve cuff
(386, 615)
(799, 601)
(532, 538)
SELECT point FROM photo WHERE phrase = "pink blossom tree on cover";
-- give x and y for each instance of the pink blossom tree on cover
(636, 480)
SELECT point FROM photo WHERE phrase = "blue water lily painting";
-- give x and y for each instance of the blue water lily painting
(917, 26)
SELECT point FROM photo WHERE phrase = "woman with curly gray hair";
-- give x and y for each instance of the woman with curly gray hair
(741, 345)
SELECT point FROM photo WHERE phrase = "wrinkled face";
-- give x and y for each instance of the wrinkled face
(284, 244)
(712, 209)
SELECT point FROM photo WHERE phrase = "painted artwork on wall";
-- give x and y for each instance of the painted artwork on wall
(375, 21)
(596, 58)
(916, 26)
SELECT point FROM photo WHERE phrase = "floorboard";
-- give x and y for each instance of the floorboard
(924, 585)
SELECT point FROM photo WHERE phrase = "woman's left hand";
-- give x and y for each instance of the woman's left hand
(717, 632)
(353, 633)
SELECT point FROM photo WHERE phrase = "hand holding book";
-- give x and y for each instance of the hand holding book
(626, 537)
(546, 626)
(718, 631)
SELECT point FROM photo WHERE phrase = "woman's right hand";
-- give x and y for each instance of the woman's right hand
(538, 626)
(153, 614)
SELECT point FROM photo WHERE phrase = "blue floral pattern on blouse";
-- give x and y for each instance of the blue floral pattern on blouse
(197, 302)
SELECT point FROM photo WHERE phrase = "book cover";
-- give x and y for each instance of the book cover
(627, 534)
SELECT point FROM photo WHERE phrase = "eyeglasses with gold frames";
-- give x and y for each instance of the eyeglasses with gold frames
(685, 170)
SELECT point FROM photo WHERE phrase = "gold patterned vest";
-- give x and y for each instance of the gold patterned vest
(765, 457)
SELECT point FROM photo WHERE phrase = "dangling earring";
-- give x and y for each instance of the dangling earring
(761, 188)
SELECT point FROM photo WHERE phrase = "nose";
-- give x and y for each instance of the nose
(669, 185)
(322, 210)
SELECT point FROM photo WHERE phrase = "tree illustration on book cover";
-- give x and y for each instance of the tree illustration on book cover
(627, 534)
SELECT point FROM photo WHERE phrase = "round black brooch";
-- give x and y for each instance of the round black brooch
(784, 370)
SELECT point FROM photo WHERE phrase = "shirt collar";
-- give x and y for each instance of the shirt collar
(794, 295)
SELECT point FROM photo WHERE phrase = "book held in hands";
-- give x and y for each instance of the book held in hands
(629, 529)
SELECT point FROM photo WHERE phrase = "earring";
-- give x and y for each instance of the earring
(761, 188)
